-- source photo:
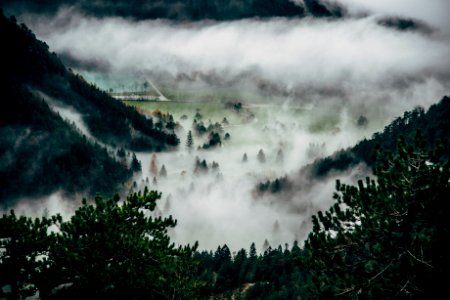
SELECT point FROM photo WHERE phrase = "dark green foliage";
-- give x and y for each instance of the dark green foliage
(434, 124)
(235, 106)
(382, 239)
(251, 276)
(121, 152)
(185, 10)
(135, 164)
(318, 9)
(274, 186)
(28, 62)
(386, 238)
(39, 152)
(106, 250)
(201, 166)
(362, 121)
(214, 141)
(110, 120)
(200, 128)
(225, 121)
(190, 140)
(405, 24)
(197, 115)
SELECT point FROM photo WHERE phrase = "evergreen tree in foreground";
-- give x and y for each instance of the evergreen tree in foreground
(386, 238)
(106, 250)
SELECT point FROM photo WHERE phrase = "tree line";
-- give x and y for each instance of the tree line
(185, 10)
(386, 237)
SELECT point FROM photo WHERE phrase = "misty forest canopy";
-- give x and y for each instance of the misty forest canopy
(184, 10)
(40, 151)
(384, 238)
(434, 123)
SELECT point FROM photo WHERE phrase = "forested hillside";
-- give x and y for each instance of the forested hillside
(434, 124)
(385, 238)
(40, 152)
(186, 10)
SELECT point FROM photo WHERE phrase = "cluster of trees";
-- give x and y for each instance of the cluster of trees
(200, 128)
(213, 130)
(202, 166)
(182, 10)
(107, 249)
(274, 186)
(383, 238)
(42, 153)
(165, 121)
(388, 237)
(246, 274)
(434, 124)
(261, 156)
(29, 63)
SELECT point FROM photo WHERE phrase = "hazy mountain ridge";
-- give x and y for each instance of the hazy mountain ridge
(41, 153)
(186, 10)
(434, 124)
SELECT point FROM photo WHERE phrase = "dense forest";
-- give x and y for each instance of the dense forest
(434, 123)
(42, 153)
(384, 238)
(185, 10)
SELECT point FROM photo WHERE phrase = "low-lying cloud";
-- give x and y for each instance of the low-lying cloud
(331, 71)
(350, 61)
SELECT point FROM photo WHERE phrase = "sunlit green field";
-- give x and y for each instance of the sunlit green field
(262, 114)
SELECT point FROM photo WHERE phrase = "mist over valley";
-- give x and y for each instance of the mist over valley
(254, 120)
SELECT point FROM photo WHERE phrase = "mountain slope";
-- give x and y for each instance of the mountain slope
(41, 153)
(27, 61)
(184, 10)
(434, 125)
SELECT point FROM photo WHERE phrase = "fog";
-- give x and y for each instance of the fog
(434, 12)
(223, 205)
(352, 61)
(306, 81)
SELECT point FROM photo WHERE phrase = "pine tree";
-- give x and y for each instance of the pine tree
(163, 172)
(108, 249)
(189, 141)
(135, 164)
(385, 238)
(261, 156)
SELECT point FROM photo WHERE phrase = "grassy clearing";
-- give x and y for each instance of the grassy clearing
(313, 120)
